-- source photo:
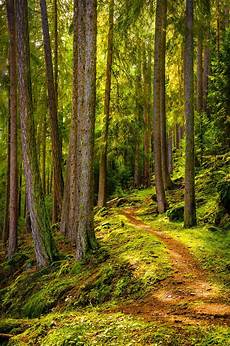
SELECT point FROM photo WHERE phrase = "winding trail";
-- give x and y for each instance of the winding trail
(186, 296)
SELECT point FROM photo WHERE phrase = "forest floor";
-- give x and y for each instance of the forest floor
(187, 296)
(150, 282)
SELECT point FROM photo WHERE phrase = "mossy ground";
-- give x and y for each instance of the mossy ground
(77, 303)
(96, 328)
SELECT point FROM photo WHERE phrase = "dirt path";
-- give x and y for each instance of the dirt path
(186, 296)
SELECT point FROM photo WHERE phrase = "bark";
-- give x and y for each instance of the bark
(44, 154)
(164, 146)
(218, 29)
(104, 149)
(20, 192)
(189, 196)
(137, 165)
(13, 193)
(200, 89)
(85, 124)
(5, 234)
(160, 192)
(200, 75)
(69, 210)
(55, 10)
(206, 73)
(170, 152)
(55, 137)
(43, 242)
(146, 120)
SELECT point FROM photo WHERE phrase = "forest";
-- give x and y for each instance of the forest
(115, 172)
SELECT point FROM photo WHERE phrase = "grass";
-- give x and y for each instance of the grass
(73, 303)
(98, 328)
(126, 266)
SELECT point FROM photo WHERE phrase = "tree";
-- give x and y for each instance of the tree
(164, 145)
(13, 192)
(103, 157)
(86, 93)
(189, 196)
(52, 100)
(69, 210)
(147, 132)
(44, 246)
(161, 199)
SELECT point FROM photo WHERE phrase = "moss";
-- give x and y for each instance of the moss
(42, 301)
(97, 328)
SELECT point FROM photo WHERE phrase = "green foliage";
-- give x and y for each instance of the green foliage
(218, 123)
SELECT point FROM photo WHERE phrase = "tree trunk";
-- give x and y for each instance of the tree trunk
(206, 73)
(104, 149)
(44, 154)
(164, 146)
(55, 138)
(218, 29)
(43, 242)
(137, 165)
(189, 197)
(200, 90)
(20, 191)
(85, 124)
(146, 120)
(69, 210)
(5, 234)
(55, 10)
(13, 197)
(161, 199)
(170, 152)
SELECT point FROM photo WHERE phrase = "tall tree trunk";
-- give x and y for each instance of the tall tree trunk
(137, 165)
(170, 151)
(55, 138)
(218, 29)
(146, 120)
(5, 234)
(200, 89)
(13, 198)
(85, 124)
(69, 210)
(44, 154)
(103, 157)
(206, 72)
(161, 199)
(55, 10)
(73, 159)
(43, 242)
(164, 146)
(20, 191)
(189, 196)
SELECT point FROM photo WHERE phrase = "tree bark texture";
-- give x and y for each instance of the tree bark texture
(164, 146)
(189, 196)
(160, 192)
(55, 137)
(86, 93)
(43, 242)
(206, 72)
(104, 149)
(146, 119)
(5, 234)
(69, 212)
(13, 193)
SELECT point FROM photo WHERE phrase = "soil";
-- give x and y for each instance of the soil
(188, 296)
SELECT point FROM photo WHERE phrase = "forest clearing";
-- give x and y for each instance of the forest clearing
(114, 172)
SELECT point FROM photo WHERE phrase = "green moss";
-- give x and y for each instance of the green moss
(98, 328)
(43, 300)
